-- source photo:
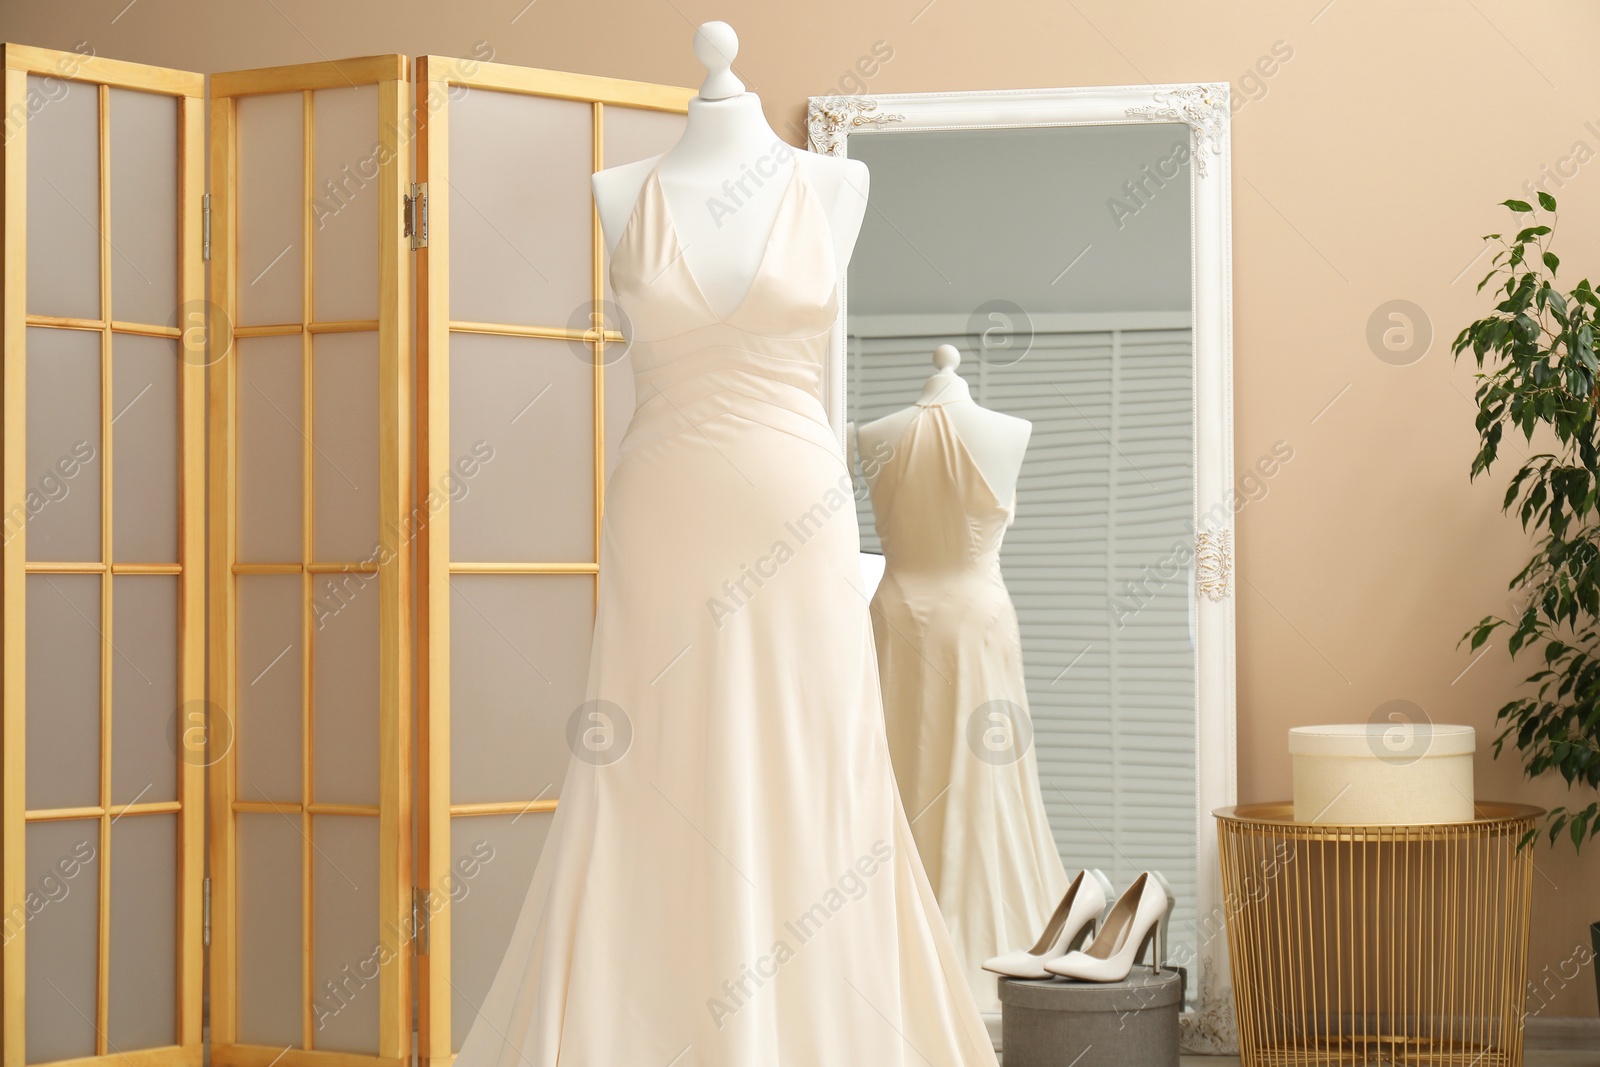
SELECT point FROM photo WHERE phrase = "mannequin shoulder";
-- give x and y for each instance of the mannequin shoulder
(616, 190)
(837, 179)
(840, 186)
(1018, 425)
(619, 182)
(884, 428)
(997, 423)
(1019, 429)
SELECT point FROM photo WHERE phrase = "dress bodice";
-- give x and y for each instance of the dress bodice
(769, 352)
(932, 507)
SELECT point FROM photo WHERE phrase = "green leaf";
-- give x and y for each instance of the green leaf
(1538, 371)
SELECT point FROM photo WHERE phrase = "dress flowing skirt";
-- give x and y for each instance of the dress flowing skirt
(960, 735)
(730, 879)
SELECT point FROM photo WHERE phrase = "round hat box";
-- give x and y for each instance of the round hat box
(1369, 774)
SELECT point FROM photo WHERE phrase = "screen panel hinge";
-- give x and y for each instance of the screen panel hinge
(416, 215)
(205, 912)
(205, 226)
(421, 914)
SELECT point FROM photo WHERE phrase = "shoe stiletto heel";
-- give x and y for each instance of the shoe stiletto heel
(1137, 921)
(1074, 923)
(1159, 935)
(1156, 942)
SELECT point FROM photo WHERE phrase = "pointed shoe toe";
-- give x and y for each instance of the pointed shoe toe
(1019, 964)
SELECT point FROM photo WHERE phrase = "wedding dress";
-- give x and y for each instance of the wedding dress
(730, 879)
(955, 700)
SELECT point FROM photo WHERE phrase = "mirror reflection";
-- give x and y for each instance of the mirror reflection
(1020, 392)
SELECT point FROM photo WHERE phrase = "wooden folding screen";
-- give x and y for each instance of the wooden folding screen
(102, 566)
(278, 697)
(311, 612)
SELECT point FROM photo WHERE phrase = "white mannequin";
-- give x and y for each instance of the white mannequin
(725, 178)
(996, 441)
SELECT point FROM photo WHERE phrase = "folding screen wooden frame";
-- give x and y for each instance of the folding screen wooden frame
(436, 76)
(207, 906)
(396, 922)
(188, 90)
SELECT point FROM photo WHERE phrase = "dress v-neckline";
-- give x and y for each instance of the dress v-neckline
(653, 184)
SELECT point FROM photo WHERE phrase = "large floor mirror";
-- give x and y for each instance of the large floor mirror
(1072, 246)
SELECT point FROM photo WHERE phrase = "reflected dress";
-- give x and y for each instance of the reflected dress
(955, 699)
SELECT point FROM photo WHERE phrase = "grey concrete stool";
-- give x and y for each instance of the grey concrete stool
(1061, 1023)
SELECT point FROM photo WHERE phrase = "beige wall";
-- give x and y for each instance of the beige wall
(1365, 168)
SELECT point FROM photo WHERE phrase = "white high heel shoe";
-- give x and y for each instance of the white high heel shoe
(1073, 922)
(1139, 918)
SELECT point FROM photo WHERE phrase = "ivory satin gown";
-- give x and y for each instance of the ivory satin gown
(955, 700)
(730, 879)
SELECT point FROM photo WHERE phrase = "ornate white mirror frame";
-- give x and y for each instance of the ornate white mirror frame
(834, 121)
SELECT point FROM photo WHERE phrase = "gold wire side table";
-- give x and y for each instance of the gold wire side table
(1369, 945)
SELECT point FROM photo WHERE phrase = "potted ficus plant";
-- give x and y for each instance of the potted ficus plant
(1538, 370)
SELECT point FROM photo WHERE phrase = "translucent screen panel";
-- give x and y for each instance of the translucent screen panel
(270, 985)
(345, 688)
(344, 204)
(347, 953)
(144, 688)
(520, 199)
(635, 133)
(63, 500)
(63, 198)
(632, 134)
(519, 664)
(345, 390)
(144, 430)
(271, 445)
(528, 405)
(63, 894)
(63, 682)
(144, 929)
(268, 716)
(492, 863)
(271, 206)
(144, 207)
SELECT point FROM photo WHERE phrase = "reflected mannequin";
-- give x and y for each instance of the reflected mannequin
(996, 441)
(942, 476)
